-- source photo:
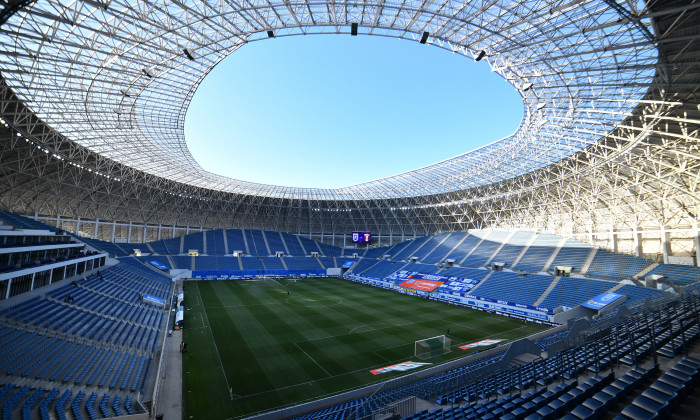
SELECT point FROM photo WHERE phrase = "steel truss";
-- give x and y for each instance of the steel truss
(97, 92)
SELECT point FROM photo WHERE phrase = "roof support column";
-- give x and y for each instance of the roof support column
(613, 239)
(696, 238)
(638, 241)
(665, 243)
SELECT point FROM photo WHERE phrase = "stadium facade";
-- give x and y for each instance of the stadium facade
(93, 96)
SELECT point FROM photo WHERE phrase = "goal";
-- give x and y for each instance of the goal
(432, 347)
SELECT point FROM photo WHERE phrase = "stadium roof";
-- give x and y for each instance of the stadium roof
(117, 77)
(610, 133)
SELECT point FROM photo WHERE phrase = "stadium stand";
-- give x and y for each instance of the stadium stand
(308, 245)
(616, 371)
(194, 241)
(636, 293)
(570, 291)
(538, 253)
(421, 268)
(512, 287)
(235, 241)
(182, 262)
(273, 263)
(173, 245)
(441, 250)
(513, 248)
(256, 242)
(572, 254)
(329, 250)
(215, 242)
(274, 241)
(252, 263)
(465, 272)
(411, 248)
(95, 332)
(466, 246)
(327, 262)
(486, 249)
(375, 252)
(302, 263)
(293, 244)
(615, 266)
(205, 263)
(383, 269)
(22, 222)
(159, 247)
(680, 274)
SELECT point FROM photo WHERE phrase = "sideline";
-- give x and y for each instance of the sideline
(223, 372)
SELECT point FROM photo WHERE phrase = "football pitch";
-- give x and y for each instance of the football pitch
(257, 345)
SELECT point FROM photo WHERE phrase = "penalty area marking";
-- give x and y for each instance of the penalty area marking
(374, 327)
(313, 360)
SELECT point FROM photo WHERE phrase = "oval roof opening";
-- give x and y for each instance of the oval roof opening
(333, 111)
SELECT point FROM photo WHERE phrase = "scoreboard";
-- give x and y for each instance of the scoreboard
(361, 237)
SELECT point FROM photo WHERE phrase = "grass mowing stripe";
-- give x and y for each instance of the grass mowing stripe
(312, 359)
(281, 355)
(218, 356)
(280, 349)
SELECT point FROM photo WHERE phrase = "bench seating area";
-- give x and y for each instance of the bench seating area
(95, 333)
(215, 242)
(485, 250)
(615, 266)
(52, 404)
(572, 291)
(441, 251)
(680, 274)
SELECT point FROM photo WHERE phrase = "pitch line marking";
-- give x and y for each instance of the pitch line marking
(313, 360)
(364, 369)
(223, 372)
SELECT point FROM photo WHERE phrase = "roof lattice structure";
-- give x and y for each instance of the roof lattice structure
(98, 93)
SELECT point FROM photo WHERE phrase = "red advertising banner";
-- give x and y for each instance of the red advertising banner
(422, 285)
(482, 343)
(400, 367)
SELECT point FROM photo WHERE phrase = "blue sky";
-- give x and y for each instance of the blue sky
(335, 110)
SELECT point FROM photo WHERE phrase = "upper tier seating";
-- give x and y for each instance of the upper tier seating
(538, 253)
(485, 250)
(611, 265)
(440, 252)
(274, 241)
(573, 254)
(215, 242)
(234, 239)
(513, 248)
(194, 241)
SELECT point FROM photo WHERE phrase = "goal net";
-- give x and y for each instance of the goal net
(432, 347)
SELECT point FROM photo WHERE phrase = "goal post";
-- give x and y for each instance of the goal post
(432, 347)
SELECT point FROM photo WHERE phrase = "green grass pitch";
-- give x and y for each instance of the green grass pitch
(253, 347)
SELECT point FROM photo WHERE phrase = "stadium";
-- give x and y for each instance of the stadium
(550, 274)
